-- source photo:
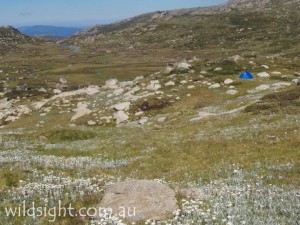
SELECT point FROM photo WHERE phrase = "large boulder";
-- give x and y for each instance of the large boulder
(149, 200)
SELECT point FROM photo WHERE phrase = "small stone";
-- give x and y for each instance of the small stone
(265, 66)
(295, 81)
(161, 119)
(216, 85)
(143, 120)
(112, 83)
(262, 87)
(153, 86)
(42, 90)
(183, 66)
(91, 123)
(139, 113)
(122, 106)
(168, 70)
(218, 69)
(170, 83)
(118, 91)
(263, 74)
(56, 91)
(63, 81)
(120, 117)
(228, 81)
(276, 73)
(231, 92)
(191, 87)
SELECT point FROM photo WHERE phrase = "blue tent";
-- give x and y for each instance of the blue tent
(246, 75)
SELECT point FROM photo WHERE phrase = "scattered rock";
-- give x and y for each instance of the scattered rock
(276, 73)
(216, 85)
(143, 120)
(63, 81)
(81, 111)
(111, 83)
(191, 87)
(91, 123)
(183, 66)
(153, 86)
(262, 87)
(265, 66)
(11, 119)
(161, 119)
(231, 92)
(150, 199)
(122, 106)
(168, 70)
(228, 81)
(120, 117)
(139, 113)
(263, 74)
(56, 91)
(91, 90)
(235, 58)
(138, 78)
(170, 83)
(281, 85)
(42, 90)
(295, 81)
(218, 69)
(119, 91)
(5, 104)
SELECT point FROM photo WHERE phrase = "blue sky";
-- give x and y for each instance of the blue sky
(81, 13)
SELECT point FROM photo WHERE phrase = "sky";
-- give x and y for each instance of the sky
(83, 13)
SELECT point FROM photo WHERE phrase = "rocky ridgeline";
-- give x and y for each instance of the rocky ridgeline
(128, 102)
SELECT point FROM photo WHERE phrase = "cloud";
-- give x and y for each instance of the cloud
(25, 14)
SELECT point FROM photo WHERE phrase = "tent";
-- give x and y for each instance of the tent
(246, 75)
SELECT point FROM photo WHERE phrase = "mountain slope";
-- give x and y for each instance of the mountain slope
(11, 37)
(268, 26)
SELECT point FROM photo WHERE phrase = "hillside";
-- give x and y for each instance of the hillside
(267, 27)
(10, 38)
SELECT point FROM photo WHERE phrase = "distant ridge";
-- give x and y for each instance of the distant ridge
(49, 30)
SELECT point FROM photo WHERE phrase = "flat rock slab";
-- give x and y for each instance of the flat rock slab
(149, 199)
